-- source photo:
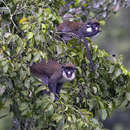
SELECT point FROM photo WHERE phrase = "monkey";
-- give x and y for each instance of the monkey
(89, 29)
(54, 74)
(70, 29)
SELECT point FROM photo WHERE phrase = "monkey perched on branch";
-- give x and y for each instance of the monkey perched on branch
(80, 30)
(55, 74)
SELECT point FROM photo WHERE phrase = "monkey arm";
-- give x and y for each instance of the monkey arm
(52, 86)
(44, 80)
(89, 54)
(58, 88)
(52, 83)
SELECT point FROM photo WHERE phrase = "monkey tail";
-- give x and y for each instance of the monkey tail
(89, 54)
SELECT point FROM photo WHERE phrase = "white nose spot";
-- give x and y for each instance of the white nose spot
(65, 77)
(69, 72)
(89, 29)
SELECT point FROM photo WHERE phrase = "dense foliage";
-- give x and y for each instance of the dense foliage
(28, 34)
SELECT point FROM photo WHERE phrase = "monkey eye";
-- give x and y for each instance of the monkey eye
(96, 28)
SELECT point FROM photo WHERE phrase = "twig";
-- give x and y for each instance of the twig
(11, 15)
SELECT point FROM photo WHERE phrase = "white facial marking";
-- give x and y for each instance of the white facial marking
(96, 28)
(89, 29)
(69, 72)
(66, 78)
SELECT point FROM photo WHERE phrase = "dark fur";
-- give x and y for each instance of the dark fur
(69, 29)
(51, 71)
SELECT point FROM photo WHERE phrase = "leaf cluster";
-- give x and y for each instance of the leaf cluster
(28, 34)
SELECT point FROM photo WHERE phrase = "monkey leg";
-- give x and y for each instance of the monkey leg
(45, 80)
(58, 88)
(52, 88)
(53, 81)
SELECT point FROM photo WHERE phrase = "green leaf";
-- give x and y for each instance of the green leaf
(66, 126)
(124, 70)
(2, 89)
(101, 104)
(23, 107)
(102, 22)
(29, 35)
(103, 114)
(37, 57)
(60, 124)
(128, 96)
(25, 27)
(111, 69)
(39, 89)
(117, 72)
(27, 83)
(77, 2)
(1, 105)
(57, 117)
(5, 68)
(22, 74)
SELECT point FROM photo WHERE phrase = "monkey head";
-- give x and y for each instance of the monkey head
(89, 29)
(68, 72)
(80, 29)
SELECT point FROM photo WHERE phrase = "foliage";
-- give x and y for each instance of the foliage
(27, 34)
(85, 9)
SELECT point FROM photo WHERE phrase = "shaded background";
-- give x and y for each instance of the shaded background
(115, 40)
(115, 37)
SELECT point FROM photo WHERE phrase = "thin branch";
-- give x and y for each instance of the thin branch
(11, 15)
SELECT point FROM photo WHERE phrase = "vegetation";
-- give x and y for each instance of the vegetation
(28, 34)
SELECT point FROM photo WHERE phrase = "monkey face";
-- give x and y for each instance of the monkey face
(92, 29)
(68, 73)
(89, 30)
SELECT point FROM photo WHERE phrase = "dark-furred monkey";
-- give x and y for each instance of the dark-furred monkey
(55, 73)
(69, 29)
